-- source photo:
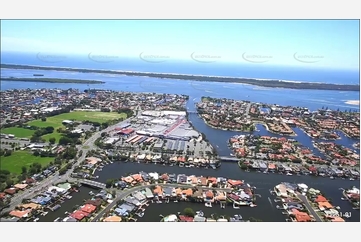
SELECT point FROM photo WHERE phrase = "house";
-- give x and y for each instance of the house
(79, 215)
(10, 191)
(199, 219)
(113, 218)
(183, 218)
(20, 214)
(89, 208)
(168, 191)
(301, 216)
(182, 178)
(96, 202)
(281, 190)
(69, 219)
(158, 191)
(148, 193)
(145, 176)
(140, 197)
(125, 209)
(133, 201)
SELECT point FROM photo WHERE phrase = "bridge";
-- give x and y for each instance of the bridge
(92, 183)
(192, 112)
(228, 158)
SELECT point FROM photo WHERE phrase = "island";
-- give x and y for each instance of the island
(188, 77)
(50, 80)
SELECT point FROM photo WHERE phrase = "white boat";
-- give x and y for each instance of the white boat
(253, 205)
(208, 205)
(36, 220)
(288, 174)
(331, 177)
(351, 179)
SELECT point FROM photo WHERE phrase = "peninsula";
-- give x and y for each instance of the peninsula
(250, 81)
(50, 80)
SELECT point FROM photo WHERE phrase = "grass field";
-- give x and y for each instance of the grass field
(56, 121)
(18, 132)
(19, 159)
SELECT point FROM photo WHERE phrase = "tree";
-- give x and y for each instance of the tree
(9, 182)
(189, 212)
(43, 119)
(24, 170)
(52, 140)
(109, 183)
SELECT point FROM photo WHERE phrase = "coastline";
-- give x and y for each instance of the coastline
(353, 102)
(50, 80)
(251, 81)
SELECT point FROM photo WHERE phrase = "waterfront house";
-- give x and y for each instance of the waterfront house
(133, 201)
(137, 178)
(69, 219)
(168, 191)
(301, 216)
(145, 176)
(148, 193)
(199, 219)
(113, 218)
(281, 190)
(140, 197)
(121, 184)
(324, 205)
(181, 178)
(198, 194)
(183, 218)
(172, 178)
(79, 215)
(208, 196)
(202, 181)
(158, 191)
(187, 192)
(32, 206)
(293, 205)
(20, 213)
(234, 183)
(154, 176)
(125, 209)
(95, 202)
(320, 198)
(164, 177)
(42, 200)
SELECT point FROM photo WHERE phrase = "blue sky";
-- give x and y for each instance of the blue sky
(328, 43)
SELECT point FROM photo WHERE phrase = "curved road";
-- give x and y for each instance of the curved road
(56, 178)
(123, 194)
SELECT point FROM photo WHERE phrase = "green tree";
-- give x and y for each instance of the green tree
(24, 170)
(189, 212)
(52, 140)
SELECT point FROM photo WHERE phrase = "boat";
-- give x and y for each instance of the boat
(288, 174)
(235, 206)
(351, 179)
(331, 177)
(200, 213)
(36, 220)
(232, 155)
(91, 193)
(253, 205)
(208, 205)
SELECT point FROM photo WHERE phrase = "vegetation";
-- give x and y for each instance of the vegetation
(51, 80)
(18, 132)
(256, 82)
(189, 212)
(19, 159)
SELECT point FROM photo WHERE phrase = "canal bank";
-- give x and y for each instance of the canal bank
(263, 182)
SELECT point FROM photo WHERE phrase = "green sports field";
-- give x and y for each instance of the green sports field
(18, 132)
(21, 158)
(56, 121)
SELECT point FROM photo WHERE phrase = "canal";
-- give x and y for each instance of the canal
(266, 209)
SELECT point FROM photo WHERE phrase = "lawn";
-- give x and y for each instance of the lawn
(19, 159)
(18, 132)
(56, 121)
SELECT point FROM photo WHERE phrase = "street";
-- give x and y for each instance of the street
(121, 194)
(17, 199)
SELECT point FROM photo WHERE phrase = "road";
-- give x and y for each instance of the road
(309, 207)
(56, 178)
(124, 193)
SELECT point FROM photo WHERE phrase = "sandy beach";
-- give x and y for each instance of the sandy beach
(353, 102)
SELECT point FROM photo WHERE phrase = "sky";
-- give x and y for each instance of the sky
(324, 43)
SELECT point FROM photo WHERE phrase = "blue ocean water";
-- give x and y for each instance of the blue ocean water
(312, 99)
(305, 72)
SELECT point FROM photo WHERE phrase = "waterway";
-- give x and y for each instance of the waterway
(266, 211)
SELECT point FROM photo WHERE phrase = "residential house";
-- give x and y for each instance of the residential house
(133, 201)
(124, 209)
(140, 197)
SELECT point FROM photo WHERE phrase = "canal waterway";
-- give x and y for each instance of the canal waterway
(266, 211)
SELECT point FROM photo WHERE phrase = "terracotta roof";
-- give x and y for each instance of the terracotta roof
(113, 219)
(89, 208)
(320, 198)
